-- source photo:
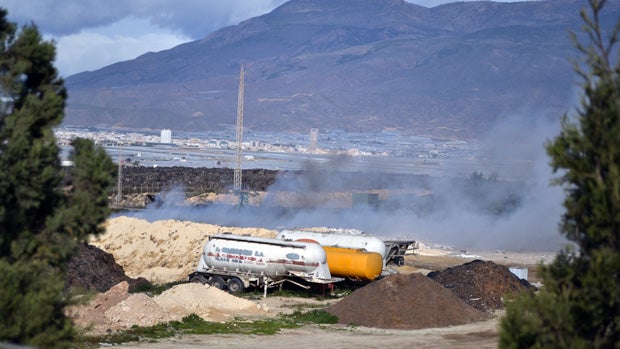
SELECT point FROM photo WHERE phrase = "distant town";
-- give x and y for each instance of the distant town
(384, 151)
(329, 142)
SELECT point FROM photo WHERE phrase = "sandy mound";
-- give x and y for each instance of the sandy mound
(137, 309)
(483, 285)
(92, 314)
(161, 251)
(404, 302)
(117, 309)
(207, 302)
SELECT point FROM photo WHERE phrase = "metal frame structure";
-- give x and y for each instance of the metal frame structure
(237, 179)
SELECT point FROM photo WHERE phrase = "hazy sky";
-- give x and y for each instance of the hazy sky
(90, 34)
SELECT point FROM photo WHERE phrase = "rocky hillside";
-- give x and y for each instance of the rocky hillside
(361, 65)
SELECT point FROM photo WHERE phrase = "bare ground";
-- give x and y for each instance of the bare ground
(482, 334)
(476, 335)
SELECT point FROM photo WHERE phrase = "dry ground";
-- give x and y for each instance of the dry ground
(482, 334)
(478, 335)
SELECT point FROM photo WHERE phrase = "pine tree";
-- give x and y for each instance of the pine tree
(579, 303)
(40, 221)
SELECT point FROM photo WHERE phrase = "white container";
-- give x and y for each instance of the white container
(521, 273)
(263, 256)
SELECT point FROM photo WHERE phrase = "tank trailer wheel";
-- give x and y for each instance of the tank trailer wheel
(198, 279)
(235, 285)
(217, 282)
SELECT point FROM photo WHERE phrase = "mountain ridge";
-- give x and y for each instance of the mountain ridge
(449, 71)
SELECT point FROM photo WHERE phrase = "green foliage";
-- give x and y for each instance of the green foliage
(486, 194)
(87, 204)
(39, 222)
(534, 321)
(193, 324)
(478, 178)
(29, 163)
(32, 311)
(579, 304)
(316, 316)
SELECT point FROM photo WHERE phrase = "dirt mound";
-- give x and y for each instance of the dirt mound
(210, 303)
(481, 284)
(93, 269)
(117, 309)
(402, 301)
(137, 309)
(161, 251)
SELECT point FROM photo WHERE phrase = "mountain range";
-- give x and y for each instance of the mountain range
(450, 71)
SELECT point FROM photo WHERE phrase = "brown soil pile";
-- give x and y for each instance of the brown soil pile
(93, 269)
(402, 301)
(483, 285)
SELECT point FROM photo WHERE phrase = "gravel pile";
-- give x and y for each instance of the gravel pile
(404, 301)
(484, 285)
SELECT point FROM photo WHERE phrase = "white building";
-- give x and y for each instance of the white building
(166, 136)
(314, 138)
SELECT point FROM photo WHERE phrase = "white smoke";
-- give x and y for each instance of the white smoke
(423, 208)
(534, 223)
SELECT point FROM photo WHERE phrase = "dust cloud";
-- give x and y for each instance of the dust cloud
(507, 203)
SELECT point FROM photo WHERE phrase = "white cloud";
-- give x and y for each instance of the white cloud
(95, 33)
(195, 18)
(92, 49)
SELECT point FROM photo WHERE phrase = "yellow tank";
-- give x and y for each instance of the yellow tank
(353, 263)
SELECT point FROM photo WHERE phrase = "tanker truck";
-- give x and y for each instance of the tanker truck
(391, 251)
(234, 263)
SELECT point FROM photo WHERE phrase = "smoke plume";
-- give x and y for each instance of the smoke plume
(507, 202)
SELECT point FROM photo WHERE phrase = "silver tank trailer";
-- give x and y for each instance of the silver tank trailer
(258, 261)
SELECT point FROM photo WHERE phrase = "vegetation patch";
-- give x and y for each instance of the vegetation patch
(193, 324)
